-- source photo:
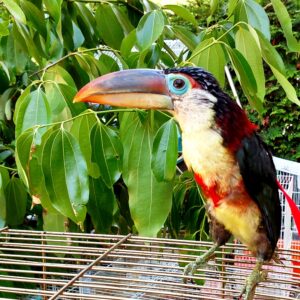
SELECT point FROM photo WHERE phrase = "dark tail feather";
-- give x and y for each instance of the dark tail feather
(294, 209)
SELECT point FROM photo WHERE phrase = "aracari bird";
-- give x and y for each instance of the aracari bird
(230, 162)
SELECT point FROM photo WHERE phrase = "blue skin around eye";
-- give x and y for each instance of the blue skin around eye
(178, 91)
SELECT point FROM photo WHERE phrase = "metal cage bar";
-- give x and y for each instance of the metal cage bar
(54, 265)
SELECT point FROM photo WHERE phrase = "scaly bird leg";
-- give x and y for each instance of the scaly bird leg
(256, 276)
(202, 260)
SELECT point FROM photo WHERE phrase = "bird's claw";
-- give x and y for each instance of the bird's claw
(191, 268)
(254, 278)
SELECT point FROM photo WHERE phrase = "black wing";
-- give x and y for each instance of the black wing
(259, 175)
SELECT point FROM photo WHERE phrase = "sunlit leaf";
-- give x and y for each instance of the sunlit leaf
(65, 174)
(149, 29)
(32, 110)
(15, 10)
(247, 45)
(210, 56)
(54, 8)
(165, 152)
(251, 12)
(286, 25)
(186, 36)
(182, 12)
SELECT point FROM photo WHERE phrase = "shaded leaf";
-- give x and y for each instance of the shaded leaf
(149, 29)
(149, 200)
(4, 180)
(128, 43)
(65, 174)
(101, 205)
(165, 152)
(54, 9)
(35, 16)
(106, 153)
(81, 129)
(245, 77)
(109, 26)
(16, 200)
(107, 64)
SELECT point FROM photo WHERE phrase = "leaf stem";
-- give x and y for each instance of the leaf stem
(216, 41)
(8, 168)
(89, 112)
(101, 48)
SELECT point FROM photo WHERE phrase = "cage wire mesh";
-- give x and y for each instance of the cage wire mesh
(55, 265)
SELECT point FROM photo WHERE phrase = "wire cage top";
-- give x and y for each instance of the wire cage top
(53, 265)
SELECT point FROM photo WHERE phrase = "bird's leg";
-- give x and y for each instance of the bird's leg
(192, 267)
(256, 276)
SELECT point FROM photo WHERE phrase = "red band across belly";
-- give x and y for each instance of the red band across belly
(208, 191)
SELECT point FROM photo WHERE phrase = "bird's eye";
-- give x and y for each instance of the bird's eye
(178, 84)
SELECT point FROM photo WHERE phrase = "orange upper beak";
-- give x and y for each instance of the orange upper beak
(140, 88)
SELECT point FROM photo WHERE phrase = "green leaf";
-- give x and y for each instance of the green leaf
(4, 180)
(107, 64)
(213, 4)
(14, 54)
(15, 10)
(57, 102)
(245, 77)
(286, 25)
(35, 16)
(54, 9)
(286, 85)
(149, 29)
(127, 44)
(81, 129)
(109, 26)
(149, 200)
(210, 56)
(101, 205)
(165, 152)
(182, 12)
(4, 28)
(58, 75)
(252, 13)
(106, 153)
(270, 55)
(247, 45)
(186, 36)
(65, 174)
(32, 110)
(16, 200)
(122, 18)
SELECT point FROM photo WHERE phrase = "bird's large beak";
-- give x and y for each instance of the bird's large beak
(140, 88)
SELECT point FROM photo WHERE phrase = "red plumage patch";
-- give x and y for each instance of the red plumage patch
(208, 191)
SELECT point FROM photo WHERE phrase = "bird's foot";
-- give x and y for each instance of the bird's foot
(191, 268)
(254, 278)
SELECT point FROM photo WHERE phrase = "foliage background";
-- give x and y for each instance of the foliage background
(67, 167)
